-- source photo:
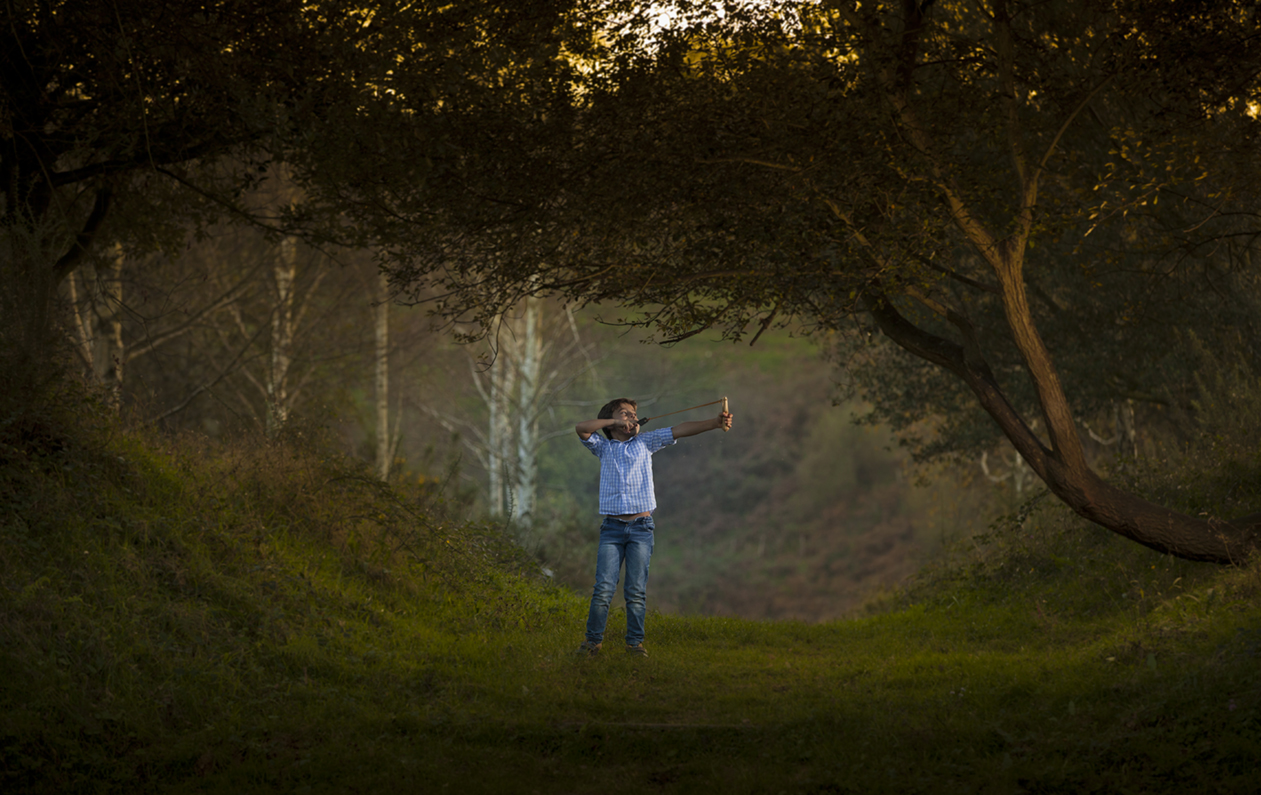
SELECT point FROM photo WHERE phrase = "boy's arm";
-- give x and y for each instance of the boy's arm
(585, 428)
(700, 426)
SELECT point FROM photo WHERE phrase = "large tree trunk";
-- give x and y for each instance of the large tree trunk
(1068, 476)
(1062, 465)
(32, 276)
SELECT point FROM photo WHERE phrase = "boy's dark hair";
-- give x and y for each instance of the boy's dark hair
(606, 413)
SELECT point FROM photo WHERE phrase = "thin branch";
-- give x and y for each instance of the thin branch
(766, 323)
(224, 372)
(755, 162)
(959, 277)
(155, 340)
(1051, 147)
(1007, 79)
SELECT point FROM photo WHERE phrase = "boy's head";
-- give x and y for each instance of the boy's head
(618, 409)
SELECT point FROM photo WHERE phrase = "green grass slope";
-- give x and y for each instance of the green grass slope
(177, 618)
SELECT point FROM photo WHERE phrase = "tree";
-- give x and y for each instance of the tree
(100, 98)
(98, 327)
(133, 121)
(534, 354)
(386, 441)
(954, 178)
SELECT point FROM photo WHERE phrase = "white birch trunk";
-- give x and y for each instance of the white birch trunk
(525, 375)
(384, 452)
(284, 274)
(530, 346)
(107, 356)
(494, 445)
(503, 379)
(82, 315)
(98, 323)
(1128, 430)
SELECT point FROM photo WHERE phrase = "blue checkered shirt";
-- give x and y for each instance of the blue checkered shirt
(626, 470)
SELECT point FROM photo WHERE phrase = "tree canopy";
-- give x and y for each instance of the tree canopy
(1034, 199)
(1031, 203)
(136, 121)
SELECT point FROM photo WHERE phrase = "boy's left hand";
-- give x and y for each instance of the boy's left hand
(724, 420)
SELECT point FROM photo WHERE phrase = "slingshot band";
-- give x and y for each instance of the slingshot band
(680, 411)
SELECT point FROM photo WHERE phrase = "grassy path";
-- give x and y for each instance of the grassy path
(965, 698)
(276, 622)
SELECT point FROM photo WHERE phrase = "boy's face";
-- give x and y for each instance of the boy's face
(628, 426)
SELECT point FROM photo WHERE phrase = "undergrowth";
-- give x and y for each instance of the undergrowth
(159, 590)
(177, 615)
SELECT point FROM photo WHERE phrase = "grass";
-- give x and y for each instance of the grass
(183, 618)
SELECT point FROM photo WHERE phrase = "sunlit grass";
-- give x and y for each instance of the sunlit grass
(182, 618)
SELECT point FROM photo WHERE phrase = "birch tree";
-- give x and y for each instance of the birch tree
(280, 318)
(534, 354)
(386, 443)
(112, 330)
(96, 300)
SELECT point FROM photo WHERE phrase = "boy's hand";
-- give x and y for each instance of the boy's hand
(623, 423)
(724, 420)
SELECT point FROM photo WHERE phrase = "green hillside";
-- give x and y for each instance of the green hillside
(797, 513)
(177, 617)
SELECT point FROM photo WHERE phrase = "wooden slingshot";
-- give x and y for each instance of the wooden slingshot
(723, 401)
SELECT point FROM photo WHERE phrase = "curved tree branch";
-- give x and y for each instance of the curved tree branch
(83, 241)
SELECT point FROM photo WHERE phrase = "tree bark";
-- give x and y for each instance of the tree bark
(108, 354)
(284, 276)
(503, 377)
(384, 453)
(530, 350)
(1062, 465)
(1068, 477)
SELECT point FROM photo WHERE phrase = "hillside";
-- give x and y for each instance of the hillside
(177, 617)
(797, 513)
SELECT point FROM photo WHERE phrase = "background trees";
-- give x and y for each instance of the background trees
(1049, 206)
(108, 108)
(134, 122)
(533, 354)
(1022, 196)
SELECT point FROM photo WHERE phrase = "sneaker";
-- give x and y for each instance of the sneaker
(588, 648)
(637, 650)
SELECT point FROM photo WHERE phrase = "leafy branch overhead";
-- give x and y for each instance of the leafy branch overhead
(1013, 212)
(1018, 195)
(137, 122)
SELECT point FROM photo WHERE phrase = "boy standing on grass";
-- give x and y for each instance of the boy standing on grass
(627, 501)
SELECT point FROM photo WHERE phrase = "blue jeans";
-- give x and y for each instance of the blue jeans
(621, 541)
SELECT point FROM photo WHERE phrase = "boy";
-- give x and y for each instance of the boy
(627, 501)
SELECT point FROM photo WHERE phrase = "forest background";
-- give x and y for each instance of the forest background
(356, 182)
(801, 512)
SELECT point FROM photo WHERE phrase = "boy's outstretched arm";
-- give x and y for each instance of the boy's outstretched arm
(700, 426)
